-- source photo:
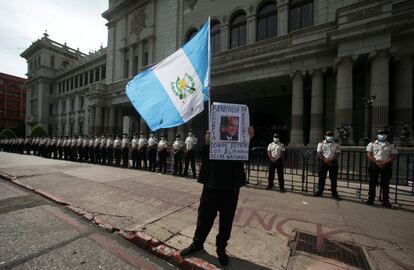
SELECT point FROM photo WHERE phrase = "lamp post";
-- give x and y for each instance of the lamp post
(368, 117)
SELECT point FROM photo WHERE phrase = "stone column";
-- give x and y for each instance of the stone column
(316, 125)
(251, 29)
(98, 120)
(111, 124)
(181, 131)
(92, 131)
(224, 35)
(403, 93)
(76, 108)
(380, 89)
(106, 120)
(143, 126)
(119, 121)
(296, 133)
(344, 101)
(282, 17)
(171, 134)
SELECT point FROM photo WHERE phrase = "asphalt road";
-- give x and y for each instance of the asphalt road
(38, 234)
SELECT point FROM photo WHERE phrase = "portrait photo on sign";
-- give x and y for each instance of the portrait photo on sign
(229, 128)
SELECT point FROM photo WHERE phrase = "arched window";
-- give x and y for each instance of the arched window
(238, 30)
(267, 21)
(300, 14)
(191, 34)
(215, 37)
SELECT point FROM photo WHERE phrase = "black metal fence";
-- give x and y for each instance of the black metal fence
(301, 172)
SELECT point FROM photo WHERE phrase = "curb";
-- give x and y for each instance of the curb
(139, 239)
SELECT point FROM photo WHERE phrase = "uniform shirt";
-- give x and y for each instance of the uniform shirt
(142, 142)
(80, 140)
(276, 149)
(117, 143)
(125, 143)
(53, 142)
(59, 142)
(85, 142)
(73, 142)
(328, 150)
(109, 142)
(178, 144)
(134, 143)
(163, 144)
(381, 150)
(190, 142)
(103, 141)
(152, 141)
(91, 142)
(97, 141)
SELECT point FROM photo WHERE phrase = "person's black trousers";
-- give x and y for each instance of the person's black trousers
(280, 175)
(178, 163)
(152, 159)
(142, 156)
(211, 202)
(125, 157)
(110, 156)
(333, 175)
(374, 171)
(189, 157)
(162, 160)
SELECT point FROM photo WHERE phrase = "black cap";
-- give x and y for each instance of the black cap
(177, 135)
(382, 131)
(329, 133)
(275, 135)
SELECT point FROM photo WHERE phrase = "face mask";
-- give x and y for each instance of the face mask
(382, 137)
(162, 138)
(329, 139)
(190, 134)
(276, 140)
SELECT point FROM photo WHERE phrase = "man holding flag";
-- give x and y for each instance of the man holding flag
(170, 94)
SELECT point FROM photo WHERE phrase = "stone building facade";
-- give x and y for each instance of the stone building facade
(302, 66)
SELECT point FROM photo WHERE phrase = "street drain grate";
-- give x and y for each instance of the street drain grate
(340, 251)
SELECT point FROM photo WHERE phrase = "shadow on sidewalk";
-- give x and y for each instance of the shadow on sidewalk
(234, 263)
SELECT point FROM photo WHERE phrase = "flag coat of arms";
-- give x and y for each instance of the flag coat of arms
(173, 91)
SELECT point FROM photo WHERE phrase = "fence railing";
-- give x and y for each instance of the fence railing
(301, 173)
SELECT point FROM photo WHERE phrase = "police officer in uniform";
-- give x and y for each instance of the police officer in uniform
(178, 146)
(152, 152)
(142, 151)
(134, 151)
(97, 150)
(59, 147)
(328, 152)
(162, 154)
(125, 151)
(275, 153)
(117, 147)
(85, 149)
(381, 155)
(110, 150)
(102, 147)
(189, 153)
(91, 150)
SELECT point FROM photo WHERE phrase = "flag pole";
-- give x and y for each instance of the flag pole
(209, 77)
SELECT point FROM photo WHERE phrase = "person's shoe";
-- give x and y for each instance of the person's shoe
(190, 250)
(282, 190)
(222, 257)
(317, 194)
(388, 205)
(336, 197)
(369, 202)
(269, 187)
(194, 176)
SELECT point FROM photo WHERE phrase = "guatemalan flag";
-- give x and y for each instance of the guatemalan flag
(173, 91)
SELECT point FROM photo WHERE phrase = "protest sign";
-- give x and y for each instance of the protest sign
(229, 138)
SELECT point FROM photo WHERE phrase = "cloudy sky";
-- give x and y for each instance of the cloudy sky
(78, 22)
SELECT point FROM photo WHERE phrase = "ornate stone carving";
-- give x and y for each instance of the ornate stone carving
(138, 21)
(364, 13)
(190, 4)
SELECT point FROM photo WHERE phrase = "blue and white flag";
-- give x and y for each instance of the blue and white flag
(173, 91)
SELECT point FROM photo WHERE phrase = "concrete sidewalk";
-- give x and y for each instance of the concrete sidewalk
(140, 204)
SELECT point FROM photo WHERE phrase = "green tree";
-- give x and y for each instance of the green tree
(7, 134)
(38, 131)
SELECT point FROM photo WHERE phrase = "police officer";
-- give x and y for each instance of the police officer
(54, 147)
(79, 149)
(97, 148)
(275, 153)
(91, 149)
(152, 152)
(328, 152)
(134, 151)
(117, 149)
(381, 155)
(102, 147)
(85, 149)
(162, 150)
(59, 147)
(125, 151)
(142, 151)
(189, 153)
(110, 150)
(73, 149)
(178, 146)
